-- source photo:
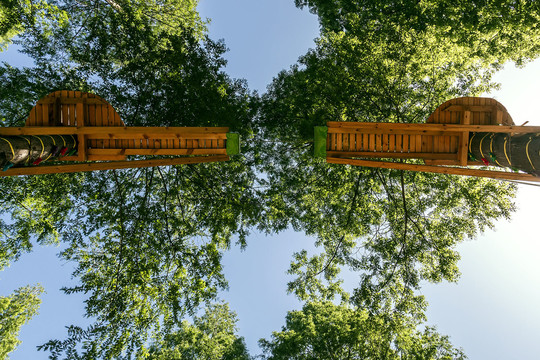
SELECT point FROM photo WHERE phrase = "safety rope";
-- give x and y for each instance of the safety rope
(527, 151)
(11, 146)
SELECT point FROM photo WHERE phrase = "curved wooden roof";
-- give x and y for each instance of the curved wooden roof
(73, 108)
(482, 111)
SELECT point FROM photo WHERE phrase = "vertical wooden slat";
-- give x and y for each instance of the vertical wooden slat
(105, 122)
(112, 122)
(45, 109)
(365, 142)
(32, 117)
(423, 145)
(378, 142)
(353, 143)
(463, 148)
(116, 121)
(79, 114)
(407, 143)
(392, 143)
(99, 122)
(371, 142)
(65, 109)
(339, 142)
(418, 143)
(71, 111)
(176, 143)
(476, 118)
(384, 145)
(436, 147)
(447, 141)
(499, 117)
(399, 146)
(39, 115)
(91, 109)
(345, 142)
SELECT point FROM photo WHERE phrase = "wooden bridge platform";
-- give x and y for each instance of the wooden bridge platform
(102, 136)
(442, 143)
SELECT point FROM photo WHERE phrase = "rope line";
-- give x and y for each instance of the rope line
(470, 142)
(11, 146)
(491, 149)
(505, 153)
(481, 140)
(29, 148)
(42, 145)
(50, 153)
(527, 151)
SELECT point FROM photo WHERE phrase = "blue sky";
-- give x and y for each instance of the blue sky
(492, 312)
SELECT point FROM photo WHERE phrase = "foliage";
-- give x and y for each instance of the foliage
(146, 244)
(386, 226)
(322, 330)
(9, 22)
(15, 311)
(211, 336)
(492, 31)
(16, 16)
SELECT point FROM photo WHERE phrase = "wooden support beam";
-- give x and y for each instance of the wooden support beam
(153, 135)
(435, 169)
(106, 131)
(463, 151)
(94, 166)
(158, 151)
(467, 116)
(399, 155)
(392, 131)
(422, 128)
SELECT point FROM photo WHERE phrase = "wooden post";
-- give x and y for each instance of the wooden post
(436, 169)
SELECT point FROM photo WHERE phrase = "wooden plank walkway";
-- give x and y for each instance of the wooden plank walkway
(102, 136)
(443, 140)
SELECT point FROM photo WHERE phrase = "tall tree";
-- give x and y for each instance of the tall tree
(490, 31)
(211, 336)
(322, 330)
(383, 224)
(16, 310)
(146, 243)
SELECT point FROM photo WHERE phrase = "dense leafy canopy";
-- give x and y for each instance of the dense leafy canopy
(493, 31)
(16, 310)
(148, 263)
(389, 226)
(322, 330)
(211, 336)
(147, 244)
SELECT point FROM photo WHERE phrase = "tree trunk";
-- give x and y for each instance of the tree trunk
(519, 152)
(32, 150)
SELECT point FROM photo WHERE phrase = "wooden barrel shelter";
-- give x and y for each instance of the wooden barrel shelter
(74, 126)
(462, 133)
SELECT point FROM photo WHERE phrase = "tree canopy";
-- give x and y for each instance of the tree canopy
(147, 244)
(211, 336)
(16, 310)
(322, 330)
